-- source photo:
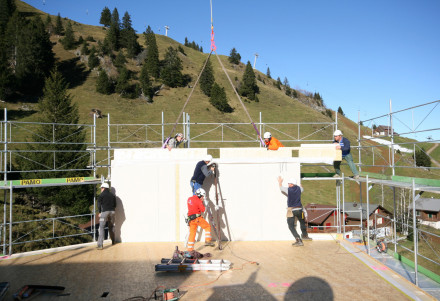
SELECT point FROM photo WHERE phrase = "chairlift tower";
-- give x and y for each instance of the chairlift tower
(255, 60)
(166, 30)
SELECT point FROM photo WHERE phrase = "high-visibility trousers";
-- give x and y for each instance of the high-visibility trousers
(200, 221)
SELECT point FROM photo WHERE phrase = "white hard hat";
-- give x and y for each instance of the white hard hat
(179, 135)
(105, 185)
(292, 181)
(337, 133)
(200, 192)
(267, 135)
(207, 158)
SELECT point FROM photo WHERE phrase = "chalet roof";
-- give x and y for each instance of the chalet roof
(425, 204)
(318, 213)
(354, 210)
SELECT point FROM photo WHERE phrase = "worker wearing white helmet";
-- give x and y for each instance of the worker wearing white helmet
(295, 209)
(106, 209)
(270, 142)
(343, 144)
(176, 141)
(203, 169)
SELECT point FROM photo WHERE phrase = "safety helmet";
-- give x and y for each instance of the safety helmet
(105, 185)
(267, 135)
(200, 192)
(207, 158)
(292, 181)
(337, 133)
(179, 135)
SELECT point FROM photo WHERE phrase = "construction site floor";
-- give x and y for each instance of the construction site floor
(270, 270)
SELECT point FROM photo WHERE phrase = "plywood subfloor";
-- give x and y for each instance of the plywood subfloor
(321, 270)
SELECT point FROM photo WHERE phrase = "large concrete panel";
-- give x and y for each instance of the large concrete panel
(153, 188)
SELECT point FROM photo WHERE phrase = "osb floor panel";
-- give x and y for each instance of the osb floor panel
(321, 270)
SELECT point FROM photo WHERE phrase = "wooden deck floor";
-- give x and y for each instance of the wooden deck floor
(321, 270)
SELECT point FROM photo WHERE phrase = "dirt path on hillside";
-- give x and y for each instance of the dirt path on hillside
(429, 151)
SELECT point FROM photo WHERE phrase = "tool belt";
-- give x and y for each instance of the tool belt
(191, 217)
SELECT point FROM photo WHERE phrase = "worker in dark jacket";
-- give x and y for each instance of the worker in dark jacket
(294, 209)
(343, 144)
(106, 209)
(203, 169)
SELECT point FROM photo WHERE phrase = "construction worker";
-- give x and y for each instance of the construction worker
(343, 144)
(203, 169)
(195, 219)
(106, 209)
(175, 142)
(294, 209)
(272, 143)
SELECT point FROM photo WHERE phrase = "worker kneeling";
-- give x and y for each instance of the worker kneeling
(195, 219)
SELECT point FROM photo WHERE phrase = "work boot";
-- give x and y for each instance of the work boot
(209, 244)
(305, 237)
(99, 248)
(298, 243)
(336, 176)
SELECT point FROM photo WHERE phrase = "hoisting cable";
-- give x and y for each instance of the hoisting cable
(187, 100)
(239, 99)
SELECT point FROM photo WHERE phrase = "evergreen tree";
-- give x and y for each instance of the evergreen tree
(279, 83)
(57, 110)
(6, 75)
(32, 53)
(268, 72)
(129, 37)
(48, 24)
(152, 59)
(59, 29)
(422, 158)
(207, 79)
(219, 100)
(103, 83)
(186, 42)
(69, 38)
(85, 49)
(171, 71)
(115, 19)
(112, 37)
(120, 60)
(122, 83)
(286, 82)
(249, 86)
(106, 17)
(93, 59)
(234, 57)
(340, 111)
(145, 83)
(7, 8)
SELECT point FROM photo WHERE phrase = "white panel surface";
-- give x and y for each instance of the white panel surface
(152, 190)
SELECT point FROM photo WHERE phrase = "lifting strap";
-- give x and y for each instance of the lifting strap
(213, 49)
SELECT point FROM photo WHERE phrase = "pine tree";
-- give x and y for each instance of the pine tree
(122, 83)
(103, 84)
(268, 72)
(59, 29)
(33, 57)
(340, 111)
(106, 17)
(6, 75)
(7, 8)
(93, 59)
(186, 42)
(207, 79)
(69, 38)
(234, 57)
(56, 107)
(422, 158)
(115, 19)
(219, 100)
(129, 37)
(85, 49)
(120, 60)
(286, 82)
(152, 59)
(145, 83)
(249, 86)
(171, 71)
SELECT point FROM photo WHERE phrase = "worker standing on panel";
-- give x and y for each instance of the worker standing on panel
(271, 143)
(195, 219)
(294, 209)
(343, 144)
(203, 169)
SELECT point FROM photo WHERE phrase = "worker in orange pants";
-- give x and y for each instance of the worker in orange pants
(195, 210)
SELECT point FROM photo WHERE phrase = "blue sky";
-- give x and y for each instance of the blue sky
(356, 54)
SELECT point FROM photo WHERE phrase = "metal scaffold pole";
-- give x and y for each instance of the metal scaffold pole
(368, 215)
(416, 247)
(5, 176)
